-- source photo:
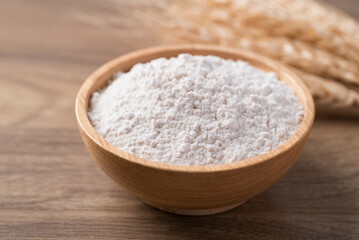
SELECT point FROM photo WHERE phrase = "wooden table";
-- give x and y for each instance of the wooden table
(50, 188)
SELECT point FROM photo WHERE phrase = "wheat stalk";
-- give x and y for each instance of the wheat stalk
(304, 35)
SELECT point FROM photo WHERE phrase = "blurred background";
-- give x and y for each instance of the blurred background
(51, 188)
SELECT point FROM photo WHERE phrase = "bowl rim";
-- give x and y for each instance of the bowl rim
(84, 94)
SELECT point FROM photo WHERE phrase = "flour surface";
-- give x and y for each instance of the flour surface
(195, 110)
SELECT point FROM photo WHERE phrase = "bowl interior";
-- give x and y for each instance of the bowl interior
(124, 63)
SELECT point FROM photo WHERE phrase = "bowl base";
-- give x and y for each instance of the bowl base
(196, 212)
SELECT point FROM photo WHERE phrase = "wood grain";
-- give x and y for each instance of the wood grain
(51, 189)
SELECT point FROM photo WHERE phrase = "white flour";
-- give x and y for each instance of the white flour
(195, 110)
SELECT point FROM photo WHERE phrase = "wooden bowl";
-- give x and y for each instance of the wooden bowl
(192, 190)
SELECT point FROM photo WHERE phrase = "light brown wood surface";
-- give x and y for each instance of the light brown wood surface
(193, 190)
(50, 188)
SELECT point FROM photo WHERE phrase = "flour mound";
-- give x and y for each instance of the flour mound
(195, 110)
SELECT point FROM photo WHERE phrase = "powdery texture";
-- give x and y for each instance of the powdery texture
(195, 110)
